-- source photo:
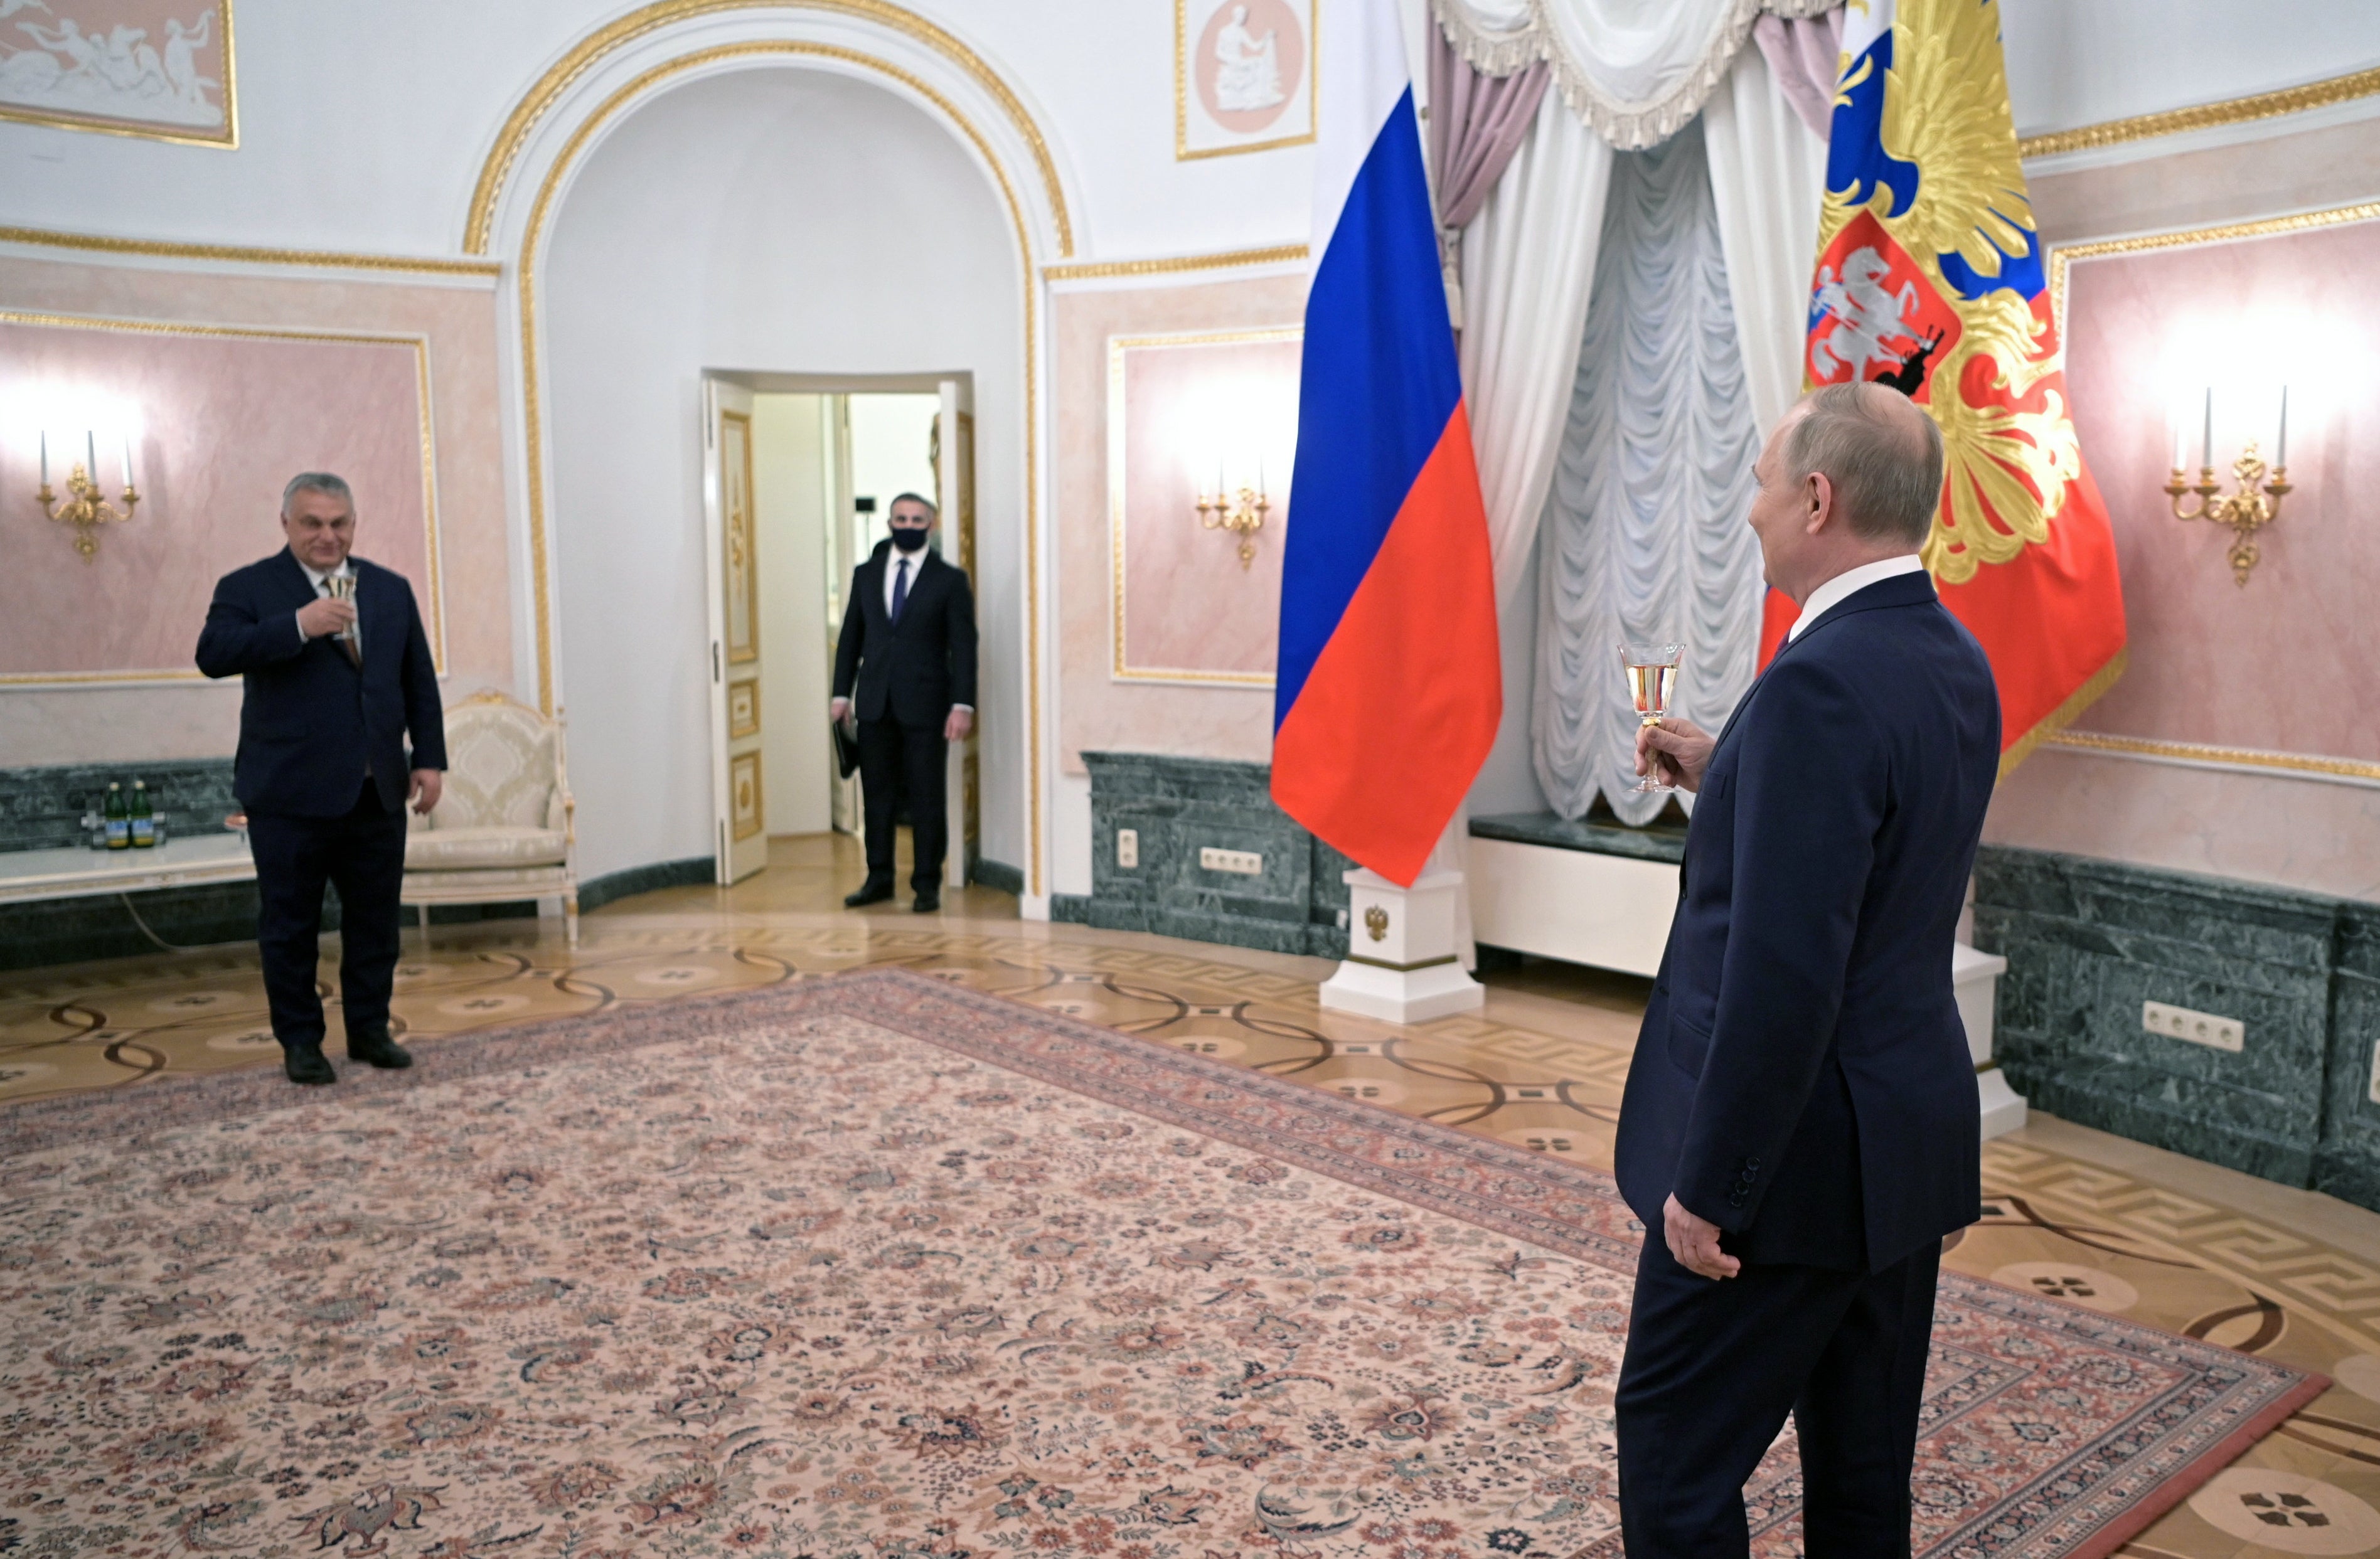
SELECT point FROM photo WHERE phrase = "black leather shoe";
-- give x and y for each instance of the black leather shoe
(928, 903)
(379, 1050)
(307, 1064)
(870, 892)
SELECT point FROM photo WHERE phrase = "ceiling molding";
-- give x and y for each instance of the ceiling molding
(240, 254)
(2205, 116)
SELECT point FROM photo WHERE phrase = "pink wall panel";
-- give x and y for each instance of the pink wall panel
(225, 420)
(1189, 604)
(2283, 662)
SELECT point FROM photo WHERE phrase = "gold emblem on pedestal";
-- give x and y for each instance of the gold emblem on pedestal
(1376, 920)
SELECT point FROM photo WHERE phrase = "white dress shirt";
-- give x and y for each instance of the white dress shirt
(1849, 583)
(915, 563)
(323, 592)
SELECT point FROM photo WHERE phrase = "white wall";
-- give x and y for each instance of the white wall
(777, 220)
(789, 512)
(364, 126)
(890, 436)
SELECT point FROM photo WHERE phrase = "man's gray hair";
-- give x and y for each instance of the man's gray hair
(1887, 469)
(916, 498)
(316, 481)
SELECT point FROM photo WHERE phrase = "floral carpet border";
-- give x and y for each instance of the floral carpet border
(2107, 1494)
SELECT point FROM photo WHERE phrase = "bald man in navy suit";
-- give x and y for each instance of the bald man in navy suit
(1800, 1130)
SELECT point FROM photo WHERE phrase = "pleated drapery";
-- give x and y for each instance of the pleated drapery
(1528, 259)
(1767, 180)
(1635, 70)
(1643, 536)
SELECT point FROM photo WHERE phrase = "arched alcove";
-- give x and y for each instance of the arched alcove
(784, 219)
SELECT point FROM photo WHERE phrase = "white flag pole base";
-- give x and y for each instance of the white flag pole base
(1403, 961)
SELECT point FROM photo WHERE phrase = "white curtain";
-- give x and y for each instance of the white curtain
(1768, 178)
(1643, 535)
(1635, 70)
(1527, 259)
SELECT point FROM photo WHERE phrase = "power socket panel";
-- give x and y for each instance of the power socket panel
(2197, 1028)
(1244, 863)
(1128, 850)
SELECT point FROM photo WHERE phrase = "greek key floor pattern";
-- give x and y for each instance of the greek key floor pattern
(2069, 1213)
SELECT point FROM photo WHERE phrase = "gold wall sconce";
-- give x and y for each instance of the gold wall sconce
(1242, 514)
(2255, 502)
(83, 508)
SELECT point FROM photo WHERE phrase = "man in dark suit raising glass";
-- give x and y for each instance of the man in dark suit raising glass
(1799, 1129)
(905, 665)
(336, 672)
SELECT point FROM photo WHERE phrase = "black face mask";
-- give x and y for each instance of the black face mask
(908, 538)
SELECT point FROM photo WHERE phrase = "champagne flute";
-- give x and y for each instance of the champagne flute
(1652, 677)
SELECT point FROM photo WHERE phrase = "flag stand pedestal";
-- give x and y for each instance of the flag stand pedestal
(1403, 960)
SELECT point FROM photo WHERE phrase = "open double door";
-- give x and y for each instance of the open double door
(737, 609)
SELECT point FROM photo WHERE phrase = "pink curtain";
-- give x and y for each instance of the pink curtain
(1476, 123)
(1803, 56)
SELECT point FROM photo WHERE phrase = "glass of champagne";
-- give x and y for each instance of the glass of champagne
(1652, 678)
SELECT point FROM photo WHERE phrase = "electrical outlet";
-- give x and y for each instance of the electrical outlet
(2198, 1028)
(1128, 849)
(1245, 863)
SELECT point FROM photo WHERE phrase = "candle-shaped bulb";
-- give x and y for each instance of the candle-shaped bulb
(2281, 453)
(2207, 448)
(128, 463)
(91, 455)
(46, 457)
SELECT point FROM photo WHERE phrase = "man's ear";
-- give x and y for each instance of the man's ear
(1818, 502)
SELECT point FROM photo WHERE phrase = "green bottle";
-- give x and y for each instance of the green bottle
(119, 821)
(143, 818)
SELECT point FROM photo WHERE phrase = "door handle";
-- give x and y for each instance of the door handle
(714, 660)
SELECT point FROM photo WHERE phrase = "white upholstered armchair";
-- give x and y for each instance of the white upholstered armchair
(502, 830)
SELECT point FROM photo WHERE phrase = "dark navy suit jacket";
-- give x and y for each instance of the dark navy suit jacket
(912, 671)
(1802, 1078)
(310, 723)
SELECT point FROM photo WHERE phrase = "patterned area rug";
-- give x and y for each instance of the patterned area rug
(875, 1267)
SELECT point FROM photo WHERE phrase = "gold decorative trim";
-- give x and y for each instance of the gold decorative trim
(1401, 968)
(2224, 233)
(1181, 152)
(325, 260)
(2236, 758)
(1082, 270)
(1117, 347)
(228, 140)
(542, 211)
(2205, 116)
(479, 230)
(2060, 718)
(420, 344)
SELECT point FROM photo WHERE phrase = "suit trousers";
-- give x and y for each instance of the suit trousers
(362, 854)
(900, 763)
(1711, 1369)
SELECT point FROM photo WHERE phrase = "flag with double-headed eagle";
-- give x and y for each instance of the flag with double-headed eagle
(1930, 279)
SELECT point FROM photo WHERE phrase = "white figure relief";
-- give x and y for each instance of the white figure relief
(118, 73)
(1249, 77)
(1866, 315)
(182, 46)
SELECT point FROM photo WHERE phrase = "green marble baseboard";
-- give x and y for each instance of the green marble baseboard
(999, 875)
(1177, 808)
(2089, 942)
(691, 872)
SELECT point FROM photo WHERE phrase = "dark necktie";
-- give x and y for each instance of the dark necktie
(901, 590)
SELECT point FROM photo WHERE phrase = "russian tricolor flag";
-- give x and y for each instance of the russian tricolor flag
(1390, 687)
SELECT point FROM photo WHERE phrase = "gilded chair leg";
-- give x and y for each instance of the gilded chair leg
(570, 917)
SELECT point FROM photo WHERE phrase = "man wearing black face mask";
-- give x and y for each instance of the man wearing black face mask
(908, 646)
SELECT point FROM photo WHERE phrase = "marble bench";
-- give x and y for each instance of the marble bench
(1601, 894)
